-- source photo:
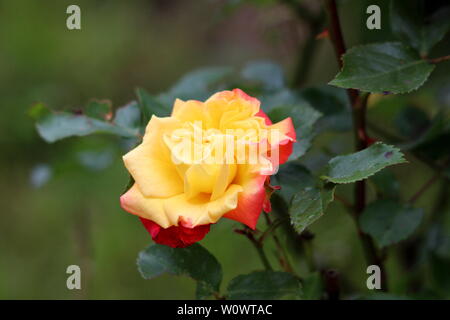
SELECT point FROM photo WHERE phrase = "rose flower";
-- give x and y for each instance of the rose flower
(206, 161)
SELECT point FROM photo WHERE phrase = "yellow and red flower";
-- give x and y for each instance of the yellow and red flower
(187, 178)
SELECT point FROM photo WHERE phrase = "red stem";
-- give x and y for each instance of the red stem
(359, 125)
(440, 59)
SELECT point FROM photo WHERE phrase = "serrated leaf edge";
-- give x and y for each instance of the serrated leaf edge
(402, 160)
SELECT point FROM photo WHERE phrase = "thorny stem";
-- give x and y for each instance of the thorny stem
(283, 257)
(315, 24)
(257, 244)
(263, 257)
(440, 59)
(280, 207)
(271, 229)
(338, 40)
(332, 287)
(307, 237)
(361, 142)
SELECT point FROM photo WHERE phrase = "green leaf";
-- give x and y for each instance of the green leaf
(361, 165)
(438, 240)
(310, 204)
(389, 222)
(267, 73)
(95, 160)
(283, 97)
(53, 126)
(434, 141)
(386, 184)
(333, 103)
(264, 285)
(193, 261)
(411, 122)
(313, 287)
(439, 269)
(438, 258)
(303, 117)
(150, 105)
(128, 116)
(410, 24)
(100, 110)
(196, 85)
(292, 177)
(383, 67)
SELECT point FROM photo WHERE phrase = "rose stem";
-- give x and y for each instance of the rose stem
(284, 260)
(257, 244)
(314, 22)
(359, 127)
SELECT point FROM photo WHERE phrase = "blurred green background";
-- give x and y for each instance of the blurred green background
(60, 202)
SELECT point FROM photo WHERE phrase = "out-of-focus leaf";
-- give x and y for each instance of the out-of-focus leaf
(128, 116)
(313, 287)
(386, 184)
(383, 67)
(440, 275)
(292, 177)
(266, 73)
(193, 261)
(438, 241)
(434, 141)
(53, 126)
(149, 106)
(96, 160)
(310, 204)
(411, 122)
(409, 24)
(333, 103)
(283, 97)
(438, 254)
(100, 110)
(386, 105)
(196, 85)
(389, 221)
(40, 174)
(264, 285)
(361, 165)
(328, 100)
(438, 258)
(304, 117)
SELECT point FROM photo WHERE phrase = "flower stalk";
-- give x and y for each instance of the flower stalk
(359, 106)
(246, 231)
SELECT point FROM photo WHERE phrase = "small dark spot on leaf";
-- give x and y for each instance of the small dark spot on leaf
(388, 154)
